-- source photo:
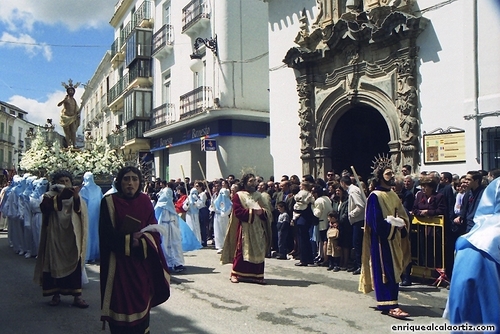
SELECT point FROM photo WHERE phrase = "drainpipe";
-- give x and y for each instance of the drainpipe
(477, 120)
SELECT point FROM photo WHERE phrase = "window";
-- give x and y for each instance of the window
(490, 139)
(137, 104)
(166, 94)
(10, 130)
(138, 45)
(166, 13)
(136, 129)
(2, 157)
(2, 127)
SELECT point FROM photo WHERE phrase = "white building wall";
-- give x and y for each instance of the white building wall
(242, 35)
(284, 102)
(178, 157)
(446, 73)
(236, 155)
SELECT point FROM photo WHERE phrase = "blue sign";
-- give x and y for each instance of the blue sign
(209, 145)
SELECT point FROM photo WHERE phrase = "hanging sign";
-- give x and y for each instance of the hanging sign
(209, 145)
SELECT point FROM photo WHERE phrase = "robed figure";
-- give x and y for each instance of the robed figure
(248, 238)
(475, 285)
(386, 247)
(92, 195)
(134, 275)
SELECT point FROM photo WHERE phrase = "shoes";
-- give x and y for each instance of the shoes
(397, 313)
(318, 260)
(330, 268)
(80, 303)
(56, 300)
(27, 255)
(178, 269)
(335, 269)
(300, 264)
(281, 257)
(234, 279)
(357, 271)
(219, 251)
(405, 283)
(343, 268)
(274, 253)
(350, 270)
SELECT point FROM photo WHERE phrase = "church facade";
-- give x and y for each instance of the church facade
(352, 79)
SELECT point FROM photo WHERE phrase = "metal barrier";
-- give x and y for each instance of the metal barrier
(427, 248)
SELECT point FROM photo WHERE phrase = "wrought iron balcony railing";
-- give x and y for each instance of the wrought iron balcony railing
(118, 88)
(163, 115)
(193, 12)
(195, 102)
(115, 47)
(163, 37)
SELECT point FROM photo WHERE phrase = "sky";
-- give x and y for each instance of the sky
(46, 42)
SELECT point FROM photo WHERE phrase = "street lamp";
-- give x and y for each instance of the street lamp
(196, 57)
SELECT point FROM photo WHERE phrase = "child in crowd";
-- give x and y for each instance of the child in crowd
(283, 226)
(333, 250)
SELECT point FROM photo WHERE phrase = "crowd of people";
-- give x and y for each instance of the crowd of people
(340, 222)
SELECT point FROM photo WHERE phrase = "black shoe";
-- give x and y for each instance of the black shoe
(330, 268)
(405, 283)
(350, 270)
(335, 269)
(281, 257)
(300, 264)
(178, 269)
(357, 271)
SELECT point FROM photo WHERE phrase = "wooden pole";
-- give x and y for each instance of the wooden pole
(205, 180)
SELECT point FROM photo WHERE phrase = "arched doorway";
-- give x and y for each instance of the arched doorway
(359, 135)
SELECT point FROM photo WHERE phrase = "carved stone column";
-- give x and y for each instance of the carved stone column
(323, 162)
(407, 103)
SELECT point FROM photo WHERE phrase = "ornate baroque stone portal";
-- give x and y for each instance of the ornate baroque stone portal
(357, 54)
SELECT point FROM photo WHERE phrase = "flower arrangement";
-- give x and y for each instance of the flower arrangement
(43, 160)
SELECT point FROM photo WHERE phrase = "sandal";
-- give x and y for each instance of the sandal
(234, 279)
(397, 313)
(56, 300)
(80, 303)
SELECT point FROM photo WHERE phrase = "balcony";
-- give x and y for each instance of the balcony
(163, 115)
(125, 32)
(7, 138)
(195, 17)
(163, 42)
(117, 91)
(117, 55)
(115, 141)
(104, 102)
(195, 102)
(142, 16)
(139, 74)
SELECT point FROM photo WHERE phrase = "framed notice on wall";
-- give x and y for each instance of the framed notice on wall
(444, 147)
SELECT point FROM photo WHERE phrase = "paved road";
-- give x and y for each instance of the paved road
(295, 300)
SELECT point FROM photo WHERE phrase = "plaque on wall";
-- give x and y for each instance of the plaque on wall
(444, 147)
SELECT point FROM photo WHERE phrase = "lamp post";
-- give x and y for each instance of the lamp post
(196, 57)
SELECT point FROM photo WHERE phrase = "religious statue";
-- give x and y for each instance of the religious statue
(70, 114)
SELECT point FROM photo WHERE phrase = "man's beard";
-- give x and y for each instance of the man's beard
(250, 189)
(388, 184)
